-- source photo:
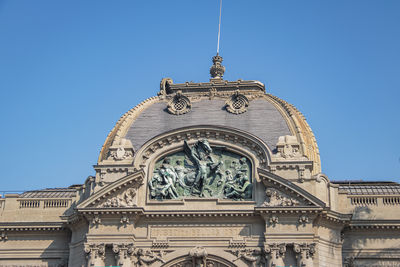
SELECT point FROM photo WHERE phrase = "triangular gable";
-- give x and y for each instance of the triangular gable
(120, 194)
(282, 193)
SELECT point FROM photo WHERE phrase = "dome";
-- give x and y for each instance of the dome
(240, 105)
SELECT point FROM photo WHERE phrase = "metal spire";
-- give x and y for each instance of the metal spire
(217, 70)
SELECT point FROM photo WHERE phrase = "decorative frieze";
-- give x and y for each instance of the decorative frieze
(124, 200)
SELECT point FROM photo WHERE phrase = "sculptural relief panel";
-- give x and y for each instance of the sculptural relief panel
(202, 171)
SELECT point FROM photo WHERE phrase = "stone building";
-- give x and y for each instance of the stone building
(219, 173)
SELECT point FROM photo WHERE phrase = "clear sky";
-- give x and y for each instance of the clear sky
(70, 69)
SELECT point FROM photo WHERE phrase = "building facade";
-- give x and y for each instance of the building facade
(210, 174)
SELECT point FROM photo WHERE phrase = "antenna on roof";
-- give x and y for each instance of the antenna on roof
(219, 25)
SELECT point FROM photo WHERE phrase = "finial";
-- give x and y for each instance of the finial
(217, 70)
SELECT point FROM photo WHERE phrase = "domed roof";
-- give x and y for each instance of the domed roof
(242, 105)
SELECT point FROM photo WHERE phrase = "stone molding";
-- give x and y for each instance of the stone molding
(289, 189)
(308, 143)
(249, 144)
(117, 189)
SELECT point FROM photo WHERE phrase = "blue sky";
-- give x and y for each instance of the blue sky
(70, 69)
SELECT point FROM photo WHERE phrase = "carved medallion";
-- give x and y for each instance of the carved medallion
(202, 171)
(237, 104)
(179, 104)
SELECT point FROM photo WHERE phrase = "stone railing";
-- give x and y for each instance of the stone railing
(364, 201)
(374, 200)
(44, 203)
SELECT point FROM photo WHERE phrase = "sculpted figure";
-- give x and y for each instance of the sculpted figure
(243, 190)
(158, 189)
(255, 257)
(144, 258)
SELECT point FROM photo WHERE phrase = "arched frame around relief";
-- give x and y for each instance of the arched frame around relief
(214, 259)
(234, 140)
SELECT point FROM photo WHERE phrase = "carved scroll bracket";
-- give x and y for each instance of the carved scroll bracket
(305, 252)
(3, 235)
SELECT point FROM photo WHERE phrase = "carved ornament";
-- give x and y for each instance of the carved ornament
(217, 70)
(275, 249)
(94, 251)
(304, 250)
(303, 219)
(275, 198)
(255, 257)
(3, 236)
(179, 104)
(237, 103)
(199, 256)
(145, 257)
(121, 150)
(273, 220)
(124, 200)
(123, 253)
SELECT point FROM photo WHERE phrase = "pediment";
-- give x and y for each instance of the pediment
(281, 193)
(120, 194)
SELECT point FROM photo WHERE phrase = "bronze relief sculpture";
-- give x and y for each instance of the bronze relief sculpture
(202, 171)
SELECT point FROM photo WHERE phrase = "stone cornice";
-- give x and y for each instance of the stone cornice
(374, 224)
(269, 178)
(32, 226)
